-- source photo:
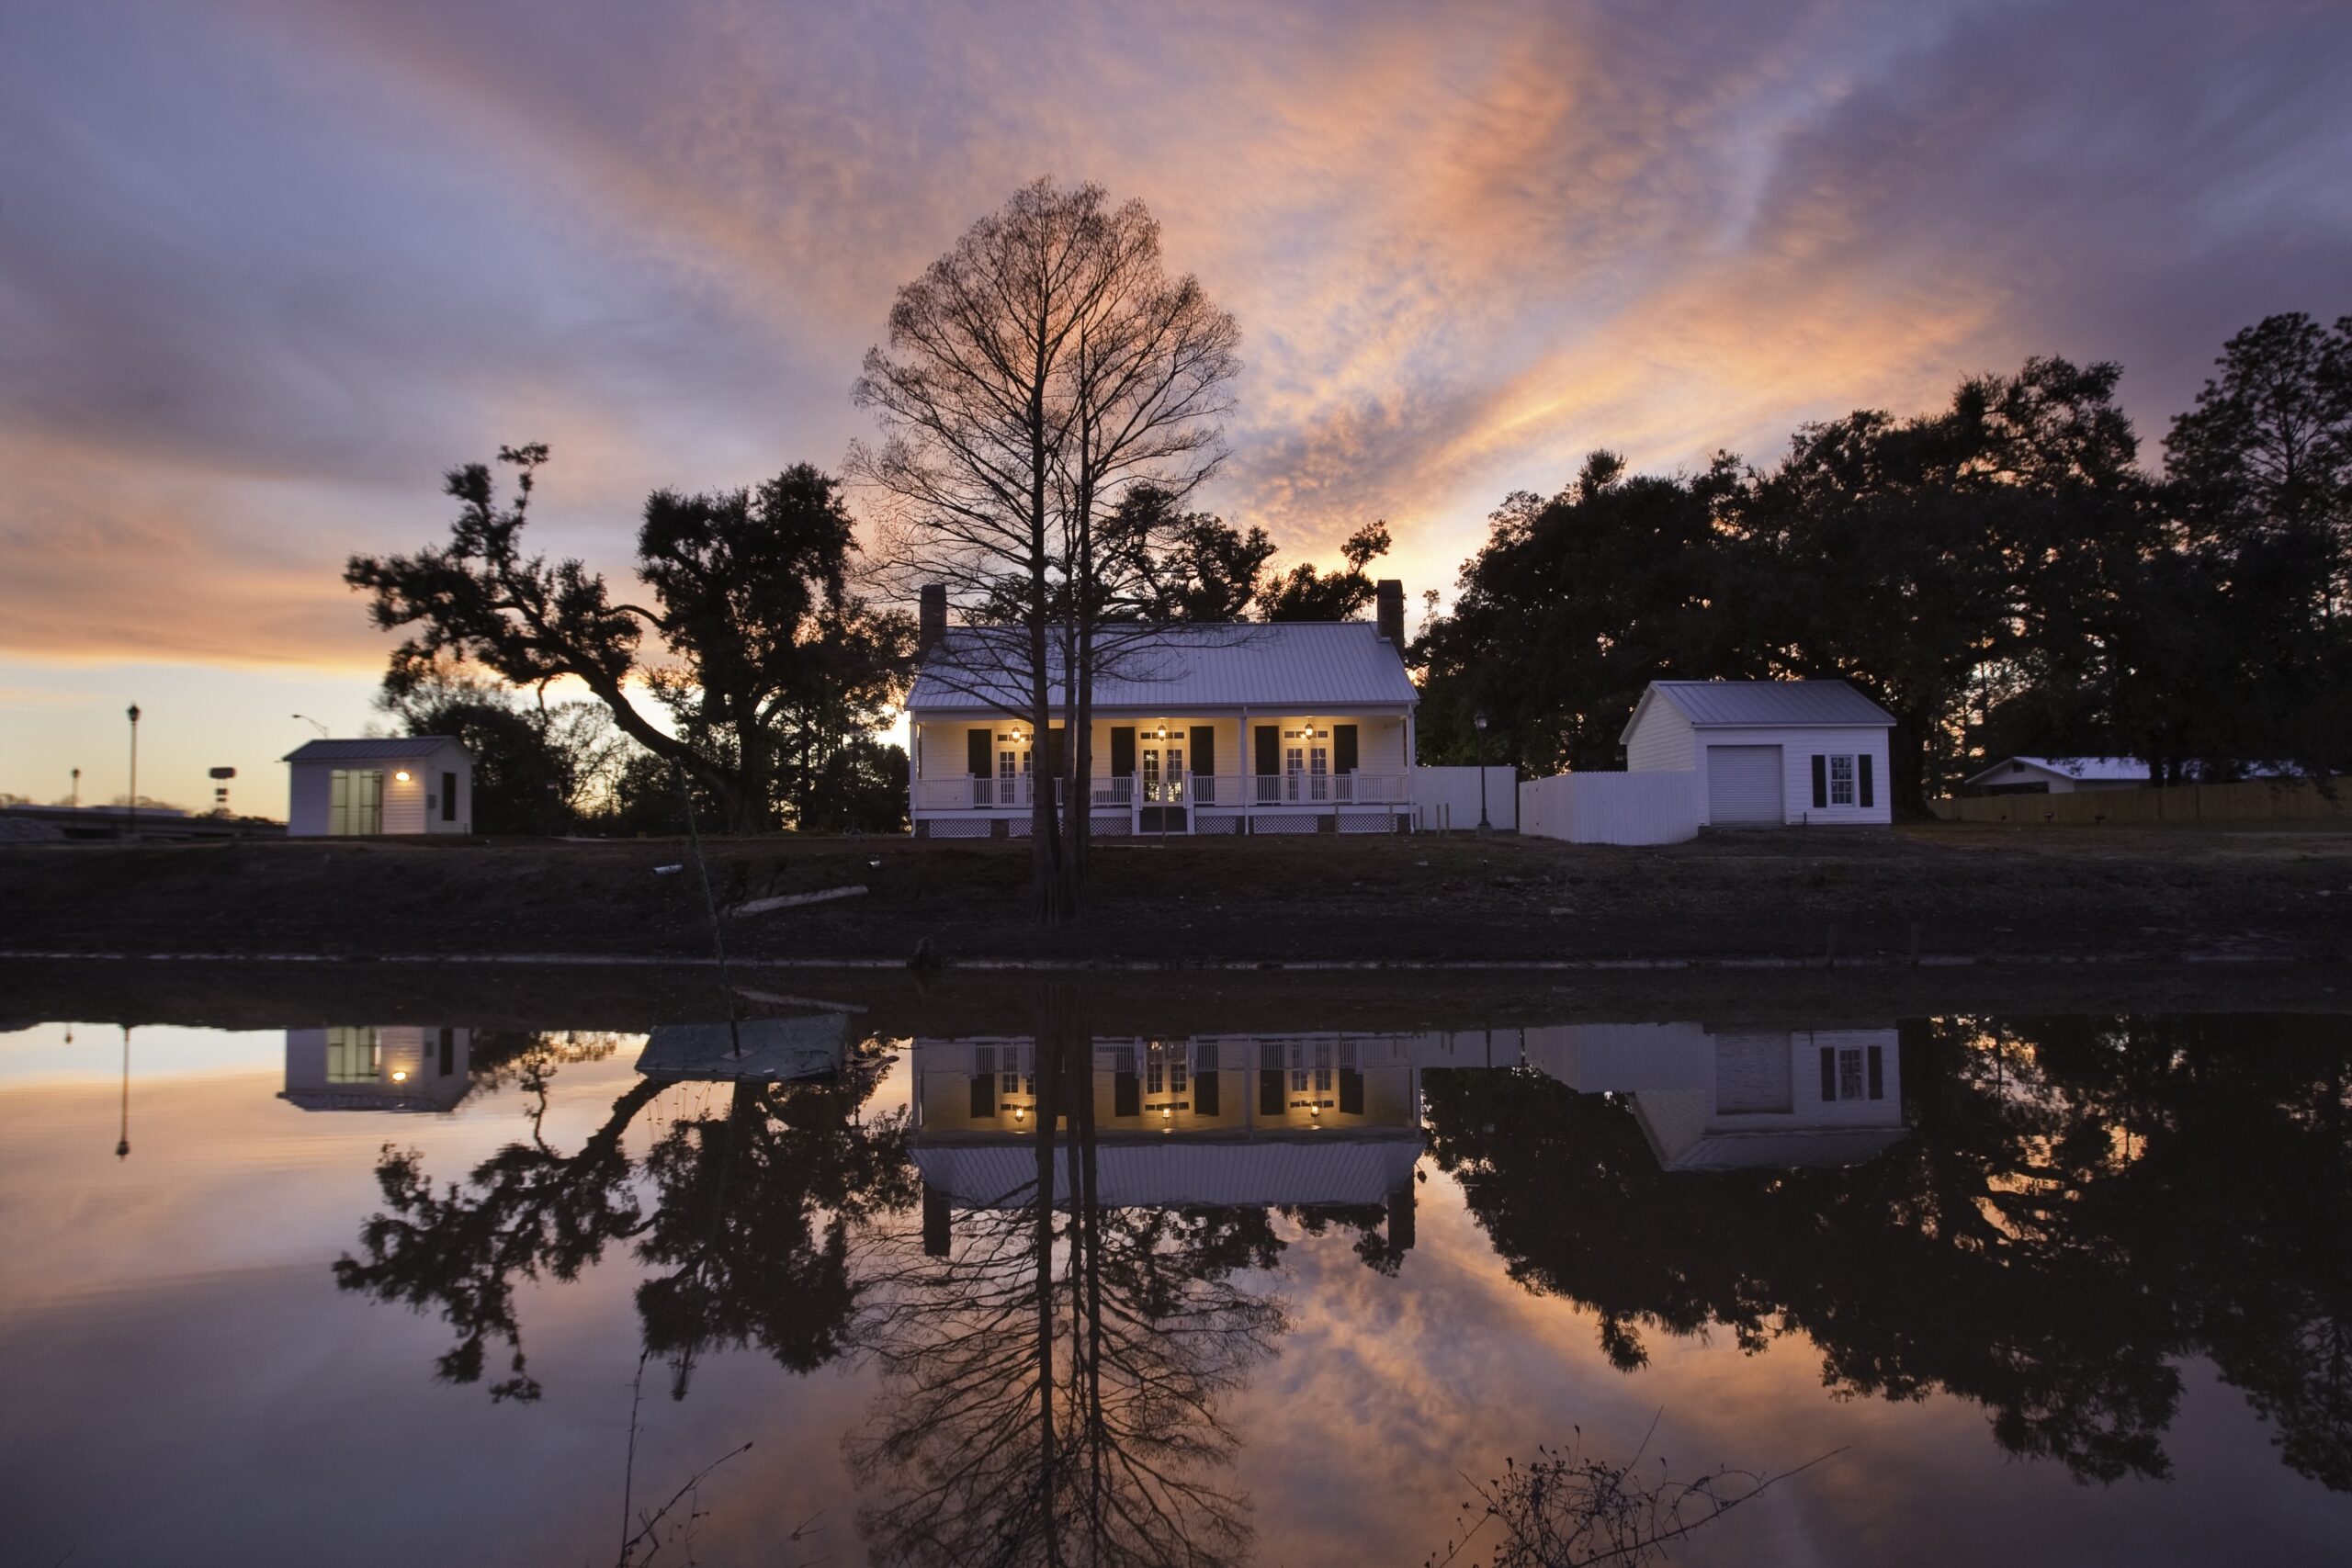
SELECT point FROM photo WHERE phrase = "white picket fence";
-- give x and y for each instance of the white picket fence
(1613, 809)
(1447, 799)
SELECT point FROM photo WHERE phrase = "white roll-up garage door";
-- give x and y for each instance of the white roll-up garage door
(1743, 786)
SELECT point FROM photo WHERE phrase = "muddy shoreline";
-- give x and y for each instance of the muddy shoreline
(1947, 895)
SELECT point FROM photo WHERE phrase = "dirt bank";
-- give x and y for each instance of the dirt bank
(1954, 891)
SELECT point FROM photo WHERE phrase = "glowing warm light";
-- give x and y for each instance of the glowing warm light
(401, 775)
(399, 1075)
(1019, 1114)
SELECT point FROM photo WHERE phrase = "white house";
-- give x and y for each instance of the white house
(1225, 1121)
(416, 784)
(1720, 1097)
(377, 1067)
(2058, 775)
(1244, 728)
(1766, 753)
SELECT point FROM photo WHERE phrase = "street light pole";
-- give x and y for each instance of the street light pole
(76, 797)
(134, 773)
(1480, 720)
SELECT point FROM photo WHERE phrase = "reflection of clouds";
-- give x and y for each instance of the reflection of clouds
(312, 255)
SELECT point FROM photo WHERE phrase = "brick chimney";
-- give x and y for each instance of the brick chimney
(1388, 602)
(932, 623)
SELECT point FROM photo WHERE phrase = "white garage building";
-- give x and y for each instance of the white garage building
(408, 784)
(1766, 753)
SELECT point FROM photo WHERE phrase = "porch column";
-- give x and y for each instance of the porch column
(1249, 785)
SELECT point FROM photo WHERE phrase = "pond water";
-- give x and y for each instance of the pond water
(1975, 1288)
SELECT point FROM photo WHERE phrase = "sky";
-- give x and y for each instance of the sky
(268, 269)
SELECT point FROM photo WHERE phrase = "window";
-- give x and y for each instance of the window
(1175, 772)
(1007, 769)
(1318, 770)
(353, 1056)
(1852, 1073)
(1151, 773)
(1849, 1073)
(1841, 781)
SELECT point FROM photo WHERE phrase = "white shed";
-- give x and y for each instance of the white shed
(410, 784)
(1767, 753)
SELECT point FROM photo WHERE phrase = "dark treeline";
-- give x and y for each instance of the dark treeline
(774, 676)
(2083, 1203)
(2005, 575)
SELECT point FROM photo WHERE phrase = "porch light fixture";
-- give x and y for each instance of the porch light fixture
(401, 775)
(399, 1075)
(1019, 1114)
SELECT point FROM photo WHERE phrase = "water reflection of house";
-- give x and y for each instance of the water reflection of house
(1712, 1097)
(1210, 1121)
(377, 1067)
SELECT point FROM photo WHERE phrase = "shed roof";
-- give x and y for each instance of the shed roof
(1815, 704)
(2081, 769)
(391, 748)
(1309, 665)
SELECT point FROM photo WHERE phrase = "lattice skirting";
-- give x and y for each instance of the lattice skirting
(1109, 826)
(956, 827)
(1217, 822)
(1287, 824)
(1367, 822)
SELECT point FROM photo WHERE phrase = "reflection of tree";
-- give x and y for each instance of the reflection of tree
(748, 1213)
(1051, 1386)
(2082, 1205)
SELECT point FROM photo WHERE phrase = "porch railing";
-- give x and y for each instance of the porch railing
(1217, 791)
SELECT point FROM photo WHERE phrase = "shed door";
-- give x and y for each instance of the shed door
(1743, 786)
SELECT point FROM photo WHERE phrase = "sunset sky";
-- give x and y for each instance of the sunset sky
(267, 269)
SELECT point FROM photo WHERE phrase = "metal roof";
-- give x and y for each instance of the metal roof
(391, 747)
(2125, 768)
(1312, 666)
(1744, 704)
(1172, 1173)
(1818, 1149)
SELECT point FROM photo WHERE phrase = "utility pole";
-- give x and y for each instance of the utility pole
(76, 797)
(134, 773)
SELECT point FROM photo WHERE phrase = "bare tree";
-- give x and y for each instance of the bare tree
(1034, 373)
(1052, 1388)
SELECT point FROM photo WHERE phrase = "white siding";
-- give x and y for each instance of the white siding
(940, 749)
(1662, 741)
(306, 801)
(405, 797)
(1798, 748)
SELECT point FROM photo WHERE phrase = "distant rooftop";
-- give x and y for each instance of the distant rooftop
(2087, 769)
(391, 747)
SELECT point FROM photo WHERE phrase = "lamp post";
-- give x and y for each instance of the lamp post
(314, 724)
(1480, 720)
(122, 1141)
(76, 796)
(134, 773)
